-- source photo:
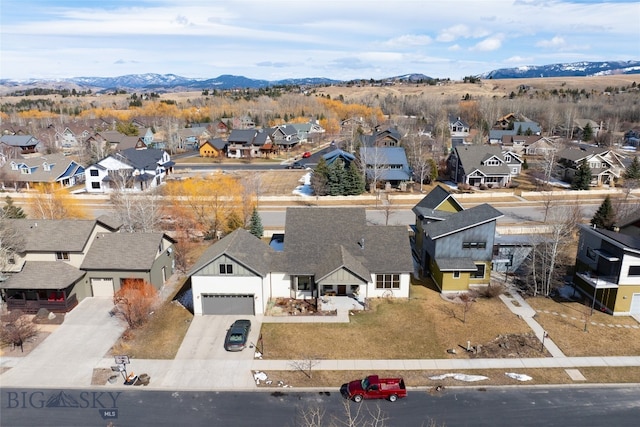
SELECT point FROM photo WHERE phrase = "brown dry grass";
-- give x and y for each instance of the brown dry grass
(423, 327)
(486, 88)
(497, 377)
(606, 336)
(159, 338)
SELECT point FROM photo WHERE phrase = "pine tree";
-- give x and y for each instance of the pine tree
(255, 224)
(336, 180)
(604, 217)
(9, 210)
(582, 178)
(319, 178)
(633, 170)
(587, 132)
(355, 181)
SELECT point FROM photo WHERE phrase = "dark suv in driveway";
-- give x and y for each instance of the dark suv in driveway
(237, 335)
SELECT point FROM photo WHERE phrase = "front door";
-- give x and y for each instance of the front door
(342, 290)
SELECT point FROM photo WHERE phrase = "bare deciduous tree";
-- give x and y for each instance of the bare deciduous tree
(135, 301)
(304, 365)
(17, 329)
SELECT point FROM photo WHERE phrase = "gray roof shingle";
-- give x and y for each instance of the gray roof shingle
(45, 235)
(44, 275)
(462, 220)
(243, 247)
(123, 251)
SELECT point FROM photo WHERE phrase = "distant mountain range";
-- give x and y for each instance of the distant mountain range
(575, 69)
(174, 83)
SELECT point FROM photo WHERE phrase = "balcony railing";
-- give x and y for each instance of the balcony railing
(599, 282)
(32, 306)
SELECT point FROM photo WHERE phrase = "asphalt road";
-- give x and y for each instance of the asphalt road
(503, 406)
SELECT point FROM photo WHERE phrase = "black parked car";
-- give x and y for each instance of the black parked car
(295, 165)
(237, 335)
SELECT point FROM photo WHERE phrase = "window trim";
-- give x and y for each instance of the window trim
(225, 269)
(62, 256)
(388, 281)
(456, 274)
(474, 275)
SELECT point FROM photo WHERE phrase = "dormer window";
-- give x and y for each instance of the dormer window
(62, 256)
(14, 166)
(46, 166)
(25, 170)
(492, 162)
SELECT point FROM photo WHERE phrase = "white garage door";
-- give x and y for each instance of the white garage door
(102, 287)
(635, 304)
(227, 304)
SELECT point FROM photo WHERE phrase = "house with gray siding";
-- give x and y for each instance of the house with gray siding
(454, 246)
(324, 251)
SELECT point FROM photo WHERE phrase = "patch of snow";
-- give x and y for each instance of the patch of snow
(304, 189)
(460, 377)
(519, 377)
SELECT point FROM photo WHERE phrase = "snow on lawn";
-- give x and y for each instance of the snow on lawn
(305, 188)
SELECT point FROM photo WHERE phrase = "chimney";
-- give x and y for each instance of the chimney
(361, 243)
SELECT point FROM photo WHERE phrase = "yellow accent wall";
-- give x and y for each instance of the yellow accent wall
(449, 205)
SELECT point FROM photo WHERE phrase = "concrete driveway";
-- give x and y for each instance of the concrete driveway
(67, 357)
(203, 363)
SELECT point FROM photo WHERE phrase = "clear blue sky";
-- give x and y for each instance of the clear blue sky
(277, 39)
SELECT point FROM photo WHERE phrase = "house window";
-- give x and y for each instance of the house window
(303, 283)
(514, 170)
(62, 256)
(474, 245)
(387, 281)
(94, 172)
(634, 270)
(95, 185)
(479, 274)
(226, 269)
(456, 274)
(591, 254)
(12, 260)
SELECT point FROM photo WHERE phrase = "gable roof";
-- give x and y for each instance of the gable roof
(576, 154)
(336, 154)
(123, 251)
(19, 140)
(59, 167)
(472, 157)
(243, 247)
(428, 206)
(48, 235)
(44, 275)
(462, 220)
(314, 235)
(147, 159)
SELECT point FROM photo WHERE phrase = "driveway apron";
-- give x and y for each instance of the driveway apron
(67, 357)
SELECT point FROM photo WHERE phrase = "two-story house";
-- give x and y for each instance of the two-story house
(60, 262)
(247, 143)
(328, 251)
(386, 137)
(385, 166)
(608, 270)
(129, 170)
(478, 165)
(24, 173)
(606, 165)
(454, 246)
(14, 146)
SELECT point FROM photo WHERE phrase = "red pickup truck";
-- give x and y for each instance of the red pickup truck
(374, 387)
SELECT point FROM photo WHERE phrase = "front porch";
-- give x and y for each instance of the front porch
(30, 301)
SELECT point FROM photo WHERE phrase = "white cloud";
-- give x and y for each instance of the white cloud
(489, 44)
(555, 42)
(409, 40)
(453, 33)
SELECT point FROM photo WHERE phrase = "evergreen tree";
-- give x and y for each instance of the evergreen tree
(9, 210)
(433, 170)
(355, 181)
(519, 132)
(633, 170)
(582, 178)
(525, 165)
(336, 180)
(255, 224)
(604, 216)
(319, 178)
(587, 132)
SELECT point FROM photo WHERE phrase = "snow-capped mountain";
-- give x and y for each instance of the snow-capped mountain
(161, 82)
(575, 69)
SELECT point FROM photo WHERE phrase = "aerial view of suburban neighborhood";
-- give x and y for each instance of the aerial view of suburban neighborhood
(398, 251)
